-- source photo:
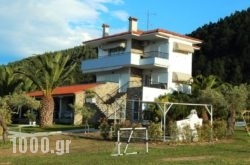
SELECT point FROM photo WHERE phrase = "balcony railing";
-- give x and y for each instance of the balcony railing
(132, 84)
(149, 59)
(149, 54)
(156, 85)
(152, 54)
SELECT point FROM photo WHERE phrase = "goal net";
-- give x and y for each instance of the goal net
(131, 141)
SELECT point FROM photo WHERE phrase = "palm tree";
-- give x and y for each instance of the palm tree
(9, 82)
(205, 86)
(201, 83)
(47, 72)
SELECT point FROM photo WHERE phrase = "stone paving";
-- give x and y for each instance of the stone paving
(23, 134)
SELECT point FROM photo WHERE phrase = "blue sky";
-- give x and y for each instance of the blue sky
(31, 27)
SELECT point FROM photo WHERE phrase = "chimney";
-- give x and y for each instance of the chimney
(105, 30)
(132, 24)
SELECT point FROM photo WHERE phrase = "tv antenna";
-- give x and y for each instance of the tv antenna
(148, 18)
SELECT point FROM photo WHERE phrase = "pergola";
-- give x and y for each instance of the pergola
(166, 106)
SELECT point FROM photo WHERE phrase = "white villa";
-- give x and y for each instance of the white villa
(139, 65)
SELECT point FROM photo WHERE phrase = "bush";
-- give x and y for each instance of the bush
(105, 128)
(155, 131)
(219, 129)
(204, 132)
(125, 124)
(173, 130)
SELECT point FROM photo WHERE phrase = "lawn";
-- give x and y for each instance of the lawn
(82, 150)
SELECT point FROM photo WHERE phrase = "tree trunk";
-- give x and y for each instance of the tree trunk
(47, 111)
(230, 122)
(205, 116)
(5, 130)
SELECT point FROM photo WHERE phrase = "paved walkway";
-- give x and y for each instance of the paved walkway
(23, 134)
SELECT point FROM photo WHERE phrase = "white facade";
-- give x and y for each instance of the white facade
(159, 59)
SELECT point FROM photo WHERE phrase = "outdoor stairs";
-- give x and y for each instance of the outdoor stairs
(112, 106)
(112, 99)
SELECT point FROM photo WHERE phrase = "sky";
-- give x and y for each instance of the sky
(31, 27)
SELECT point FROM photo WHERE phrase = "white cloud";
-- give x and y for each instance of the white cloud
(121, 14)
(31, 27)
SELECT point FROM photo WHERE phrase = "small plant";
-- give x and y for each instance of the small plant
(186, 134)
(124, 124)
(204, 132)
(87, 111)
(105, 128)
(173, 130)
(90, 93)
(30, 115)
(219, 129)
(155, 131)
(90, 96)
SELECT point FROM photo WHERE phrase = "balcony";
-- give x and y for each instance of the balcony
(126, 59)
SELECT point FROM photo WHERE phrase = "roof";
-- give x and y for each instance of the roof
(66, 90)
(143, 33)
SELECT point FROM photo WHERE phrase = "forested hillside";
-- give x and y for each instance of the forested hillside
(225, 50)
(77, 54)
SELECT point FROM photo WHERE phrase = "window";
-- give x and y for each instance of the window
(118, 50)
(147, 80)
(136, 110)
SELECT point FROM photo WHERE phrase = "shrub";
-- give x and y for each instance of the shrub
(173, 130)
(105, 128)
(125, 124)
(219, 129)
(204, 132)
(155, 131)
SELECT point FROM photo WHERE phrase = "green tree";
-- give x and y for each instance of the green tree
(5, 110)
(217, 99)
(204, 91)
(225, 98)
(225, 48)
(18, 101)
(9, 81)
(87, 111)
(80, 53)
(202, 82)
(4, 128)
(47, 72)
(236, 98)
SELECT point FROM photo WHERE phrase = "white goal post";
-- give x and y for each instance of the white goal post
(118, 149)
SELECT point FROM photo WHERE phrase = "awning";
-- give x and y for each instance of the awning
(181, 77)
(179, 47)
(114, 45)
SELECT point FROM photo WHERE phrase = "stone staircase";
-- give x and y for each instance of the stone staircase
(111, 102)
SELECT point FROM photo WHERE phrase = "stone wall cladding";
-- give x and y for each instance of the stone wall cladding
(106, 88)
(79, 100)
(119, 106)
(136, 77)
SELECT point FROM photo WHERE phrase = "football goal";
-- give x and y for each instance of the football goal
(129, 141)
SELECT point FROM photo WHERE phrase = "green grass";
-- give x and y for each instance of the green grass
(234, 150)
